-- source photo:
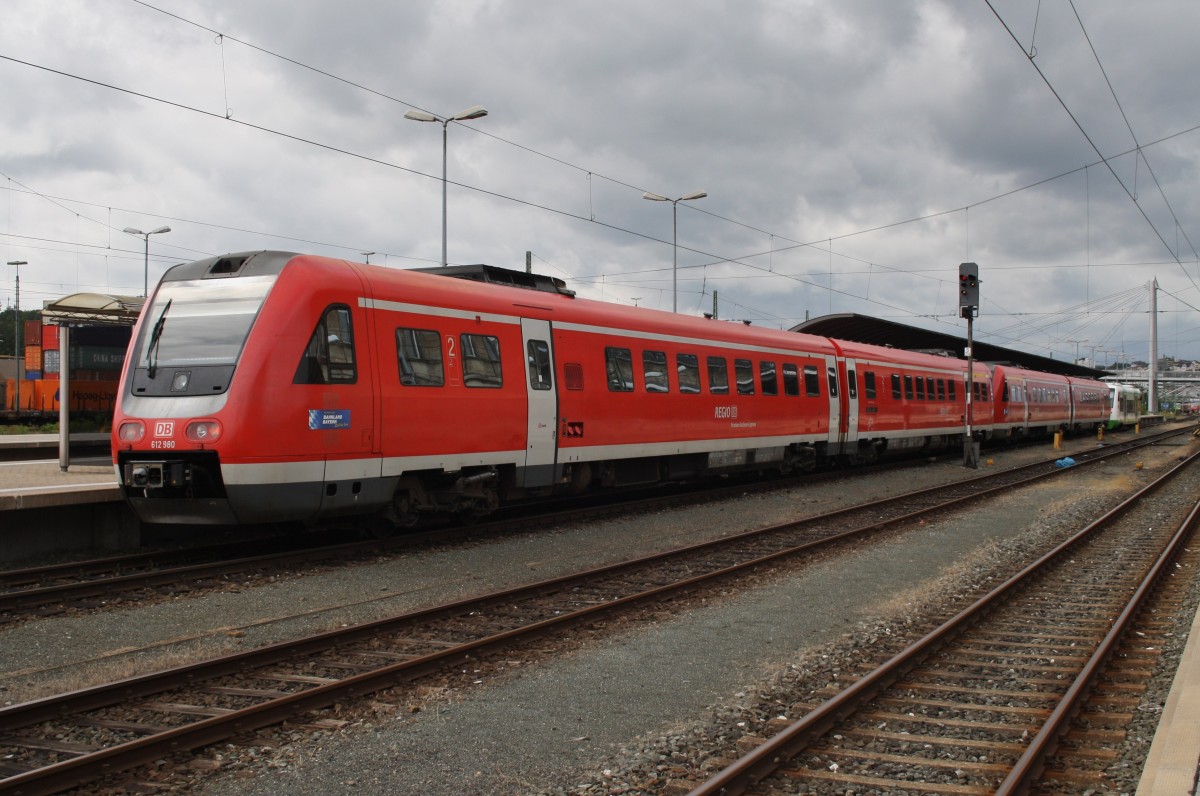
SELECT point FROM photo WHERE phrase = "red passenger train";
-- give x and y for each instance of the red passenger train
(269, 386)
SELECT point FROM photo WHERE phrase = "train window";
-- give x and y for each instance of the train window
(952, 391)
(812, 384)
(833, 391)
(791, 379)
(619, 363)
(852, 383)
(896, 386)
(329, 356)
(941, 389)
(419, 355)
(573, 376)
(920, 389)
(743, 370)
(869, 384)
(983, 390)
(688, 368)
(766, 374)
(908, 388)
(718, 376)
(539, 364)
(654, 368)
(929, 387)
(481, 361)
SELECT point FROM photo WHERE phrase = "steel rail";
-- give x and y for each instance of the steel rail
(94, 582)
(92, 578)
(70, 773)
(766, 758)
(1029, 766)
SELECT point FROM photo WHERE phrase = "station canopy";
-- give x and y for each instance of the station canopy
(874, 331)
(93, 308)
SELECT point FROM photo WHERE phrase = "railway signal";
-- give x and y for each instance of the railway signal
(968, 290)
(968, 306)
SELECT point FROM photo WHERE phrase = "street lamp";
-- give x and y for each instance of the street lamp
(367, 255)
(146, 266)
(17, 335)
(653, 197)
(474, 112)
(1077, 342)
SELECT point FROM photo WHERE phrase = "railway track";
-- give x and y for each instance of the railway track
(56, 588)
(63, 741)
(88, 585)
(1007, 696)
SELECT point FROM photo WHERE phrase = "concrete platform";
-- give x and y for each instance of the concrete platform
(29, 480)
(40, 441)
(41, 484)
(1173, 765)
(44, 511)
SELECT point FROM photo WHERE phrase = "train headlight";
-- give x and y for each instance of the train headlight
(206, 431)
(131, 431)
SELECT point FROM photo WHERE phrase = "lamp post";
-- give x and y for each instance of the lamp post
(146, 265)
(474, 112)
(1077, 342)
(653, 197)
(17, 335)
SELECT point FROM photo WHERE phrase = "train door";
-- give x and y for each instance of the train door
(540, 440)
(834, 436)
(851, 420)
(1023, 405)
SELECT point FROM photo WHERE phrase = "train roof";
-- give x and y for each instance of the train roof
(865, 329)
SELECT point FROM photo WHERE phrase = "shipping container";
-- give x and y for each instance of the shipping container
(33, 333)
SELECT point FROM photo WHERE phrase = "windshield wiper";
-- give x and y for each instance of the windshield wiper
(155, 336)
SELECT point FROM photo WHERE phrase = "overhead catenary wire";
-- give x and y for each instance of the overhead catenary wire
(733, 261)
(381, 162)
(1079, 125)
(1140, 152)
(591, 172)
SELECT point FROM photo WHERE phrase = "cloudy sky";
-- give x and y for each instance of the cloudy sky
(854, 153)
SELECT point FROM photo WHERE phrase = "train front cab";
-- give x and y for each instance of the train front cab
(247, 396)
(175, 388)
(1125, 405)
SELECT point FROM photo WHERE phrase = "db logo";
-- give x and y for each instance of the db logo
(164, 428)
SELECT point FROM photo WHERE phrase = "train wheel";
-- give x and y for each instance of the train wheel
(401, 514)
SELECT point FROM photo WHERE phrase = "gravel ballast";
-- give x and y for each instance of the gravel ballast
(577, 721)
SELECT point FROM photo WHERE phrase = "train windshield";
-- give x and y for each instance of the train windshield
(200, 321)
